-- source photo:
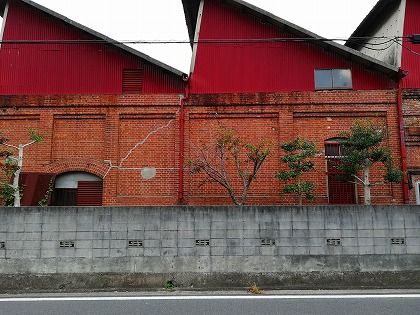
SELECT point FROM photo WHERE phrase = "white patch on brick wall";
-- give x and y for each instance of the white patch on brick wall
(120, 166)
(148, 173)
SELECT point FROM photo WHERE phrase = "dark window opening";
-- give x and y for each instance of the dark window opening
(132, 81)
(77, 189)
(333, 79)
(65, 197)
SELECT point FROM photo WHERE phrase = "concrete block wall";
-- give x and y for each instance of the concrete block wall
(208, 239)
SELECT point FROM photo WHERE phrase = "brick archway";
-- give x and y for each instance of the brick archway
(99, 168)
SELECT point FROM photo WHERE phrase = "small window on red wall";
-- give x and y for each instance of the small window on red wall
(330, 79)
(132, 81)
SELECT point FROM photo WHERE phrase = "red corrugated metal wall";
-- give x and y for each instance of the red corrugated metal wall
(67, 68)
(261, 67)
(410, 60)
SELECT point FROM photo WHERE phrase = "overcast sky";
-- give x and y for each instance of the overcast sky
(164, 20)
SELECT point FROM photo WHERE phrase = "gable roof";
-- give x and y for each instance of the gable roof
(191, 8)
(98, 35)
(374, 18)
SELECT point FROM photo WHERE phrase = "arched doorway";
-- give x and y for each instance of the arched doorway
(77, 189)
(339, 191)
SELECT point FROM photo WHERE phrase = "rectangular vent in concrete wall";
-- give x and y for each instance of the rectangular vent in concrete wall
(397, 241)
(135, 243)
(202, 242)
(268, 242)
(333, 241)
(66, 244)
(2, 245)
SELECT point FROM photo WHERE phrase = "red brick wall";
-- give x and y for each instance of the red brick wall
(94, 133)
(148, 141)
(78, 136)
(15, 128)
(252, 129)
(316, 116)
(411, 115)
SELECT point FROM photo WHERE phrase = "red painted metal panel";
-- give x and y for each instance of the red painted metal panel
(35, 188)
(89, 193)
(67, 68)
(262, 67)
(339, 191)
(411, 59)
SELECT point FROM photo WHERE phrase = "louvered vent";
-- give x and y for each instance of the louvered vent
(66, 244)
(398, 241)
(135, 243)
(268, 242)
(333, 241)
(89, 193)
(132, 81)
(202, 242)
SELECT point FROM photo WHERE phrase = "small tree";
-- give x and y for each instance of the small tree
(229, 147)
(12, 167)
(363, 147)
(298, 153)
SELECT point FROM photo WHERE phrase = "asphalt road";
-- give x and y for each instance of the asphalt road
(313, 304)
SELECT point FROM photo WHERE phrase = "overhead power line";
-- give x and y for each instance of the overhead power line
(381, 43)
(204, 41)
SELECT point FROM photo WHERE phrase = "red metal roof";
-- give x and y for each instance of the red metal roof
(410, 54)
(244, 49)
(191, 8)
(46, 53)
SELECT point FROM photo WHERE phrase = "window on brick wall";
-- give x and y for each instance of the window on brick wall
(339, 190)
(77, 189)
(132, 81)
(417, 186)
(327, 79)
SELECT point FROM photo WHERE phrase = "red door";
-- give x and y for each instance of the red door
(339, 190)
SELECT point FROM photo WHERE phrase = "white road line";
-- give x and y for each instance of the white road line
(217, 297)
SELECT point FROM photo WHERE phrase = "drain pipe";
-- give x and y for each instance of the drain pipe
(401, 75)
(182, 140)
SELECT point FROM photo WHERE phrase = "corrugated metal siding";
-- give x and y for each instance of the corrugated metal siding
(67, 68)
(410, 60)
(262, 67)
